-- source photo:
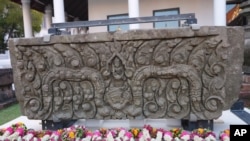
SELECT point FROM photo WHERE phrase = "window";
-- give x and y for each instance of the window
(168, 24)
(115, 27)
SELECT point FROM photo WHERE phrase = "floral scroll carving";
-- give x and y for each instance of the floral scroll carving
(120, 79)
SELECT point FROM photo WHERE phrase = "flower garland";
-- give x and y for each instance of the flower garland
(15, 131)
(19, 132)
(202, 133)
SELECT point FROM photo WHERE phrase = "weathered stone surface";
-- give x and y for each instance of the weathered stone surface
(168, 73)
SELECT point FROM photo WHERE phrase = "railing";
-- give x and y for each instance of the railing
(189, 19)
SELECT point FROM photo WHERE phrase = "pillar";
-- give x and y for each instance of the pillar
(27, 22)
(133, 10)
(220, 12)
(59, 14)
(48, 16)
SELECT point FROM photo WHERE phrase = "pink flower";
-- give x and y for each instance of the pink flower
(140, 135)
(20, 131)
(30, 135)
(224, 137)
(56, 135)
(168, 136)
(168, 133)
(185, 136)
(7, 133)
(97, 135)
(17, 134)
(90, 134)
(10, 130)
(128, 135)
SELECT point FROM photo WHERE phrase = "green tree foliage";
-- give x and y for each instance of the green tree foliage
(11, 22)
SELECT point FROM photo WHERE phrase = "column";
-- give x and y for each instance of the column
(27, 22)
(59, 11)
(220, 12)
(48, 16)
(133, 10)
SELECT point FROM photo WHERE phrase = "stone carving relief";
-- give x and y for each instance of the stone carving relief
(157, 78)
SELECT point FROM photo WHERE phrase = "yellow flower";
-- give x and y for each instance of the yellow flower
(40, 134)
(200, 131)
(174, 129)
(135, 132)
(71, 135)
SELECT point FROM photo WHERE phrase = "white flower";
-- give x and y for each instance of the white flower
(78, 139)
(159, 136)
(13, 136)
(118, 139)
(34, 139)
(167, 138)
(210, 138)
(45, 138)
(197, 138)
(110, 137)
(19, 138)
(177, 139)
(28, 137)
(141, 139)
(185, 137)
(146, 134)
(54, 137)
(226, 138)
(132, 139)
(2, 138)
(5, 135)
(121, 134)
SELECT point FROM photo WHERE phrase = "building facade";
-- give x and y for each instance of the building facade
(101, 10)
(207, 12)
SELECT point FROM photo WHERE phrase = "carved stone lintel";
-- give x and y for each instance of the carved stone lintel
(129, 75)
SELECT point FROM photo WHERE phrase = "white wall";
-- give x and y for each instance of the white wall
(100, 9)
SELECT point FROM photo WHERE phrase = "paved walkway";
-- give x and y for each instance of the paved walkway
(220, 124)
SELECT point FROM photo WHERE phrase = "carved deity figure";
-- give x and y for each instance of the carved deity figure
(118, 94)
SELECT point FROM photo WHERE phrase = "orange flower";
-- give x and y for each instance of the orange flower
(153, 133)
(71, 135)
(103, 131)
(175, 129)
(60, 131)
(227, 132)
(154, 130)
(135, 131)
